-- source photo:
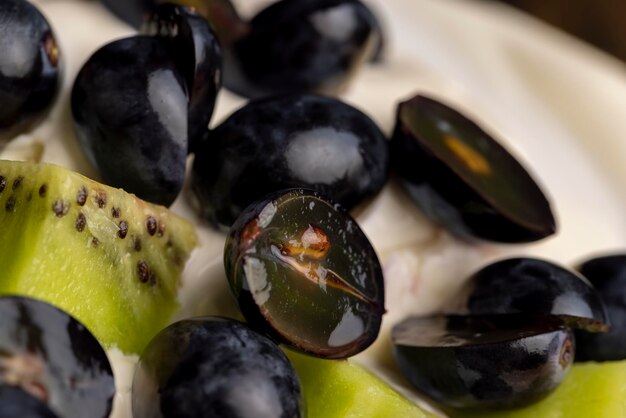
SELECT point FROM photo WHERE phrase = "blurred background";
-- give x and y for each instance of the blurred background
(601, 23)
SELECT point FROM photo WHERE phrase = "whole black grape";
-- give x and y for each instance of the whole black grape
(302, 46)
(608, 275)
(535, 286)
(214, 367)
(129, 104)
(30, 69)
(288, 141)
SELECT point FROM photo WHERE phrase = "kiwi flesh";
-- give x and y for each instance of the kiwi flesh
(108, 258)
(343, 389)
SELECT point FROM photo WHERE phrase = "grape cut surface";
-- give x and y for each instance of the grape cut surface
(303, 271)
(463, 179)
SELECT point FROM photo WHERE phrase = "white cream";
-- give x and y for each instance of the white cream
(554, 102)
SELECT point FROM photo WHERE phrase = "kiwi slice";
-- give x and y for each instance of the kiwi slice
(108, 258)
(593, 390)
(343, 389)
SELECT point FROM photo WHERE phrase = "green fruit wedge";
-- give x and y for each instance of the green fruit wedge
(342, 389)
(111, 260)
(590, 390)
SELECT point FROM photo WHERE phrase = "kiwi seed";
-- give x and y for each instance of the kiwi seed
(101, 198)
(137, 244)
(151, 225)
(60, 208)
(81, 222)
(17, 182)
(123, 229)
(81, 196)
(10, 204)
(116, 212)
(43, 189)
(3, 183)
(143, 271)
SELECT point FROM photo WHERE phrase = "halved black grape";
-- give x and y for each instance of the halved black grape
(463, 179)
(213, 367)
(129, 104)
(195, 50)
(608, 275)
(29, 67)
(303, 272)
(484, 361)
(536, 286)
(52, 357)
(288, 141)
(302, 46)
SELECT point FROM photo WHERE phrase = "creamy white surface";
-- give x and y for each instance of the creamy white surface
(556, 103)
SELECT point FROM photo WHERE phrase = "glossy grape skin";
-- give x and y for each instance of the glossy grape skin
(303, 272)
(534, 286)
(222, 16)
(463, 179)
(608, 275)
(302, 46)
(194, 48)
(288, 141)
(58, 360)
(220, 13)
(380, 47)
(129, 104)
(496, 361)
(214, 367)
(30, 67)
(132, 12)
(15, 403)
